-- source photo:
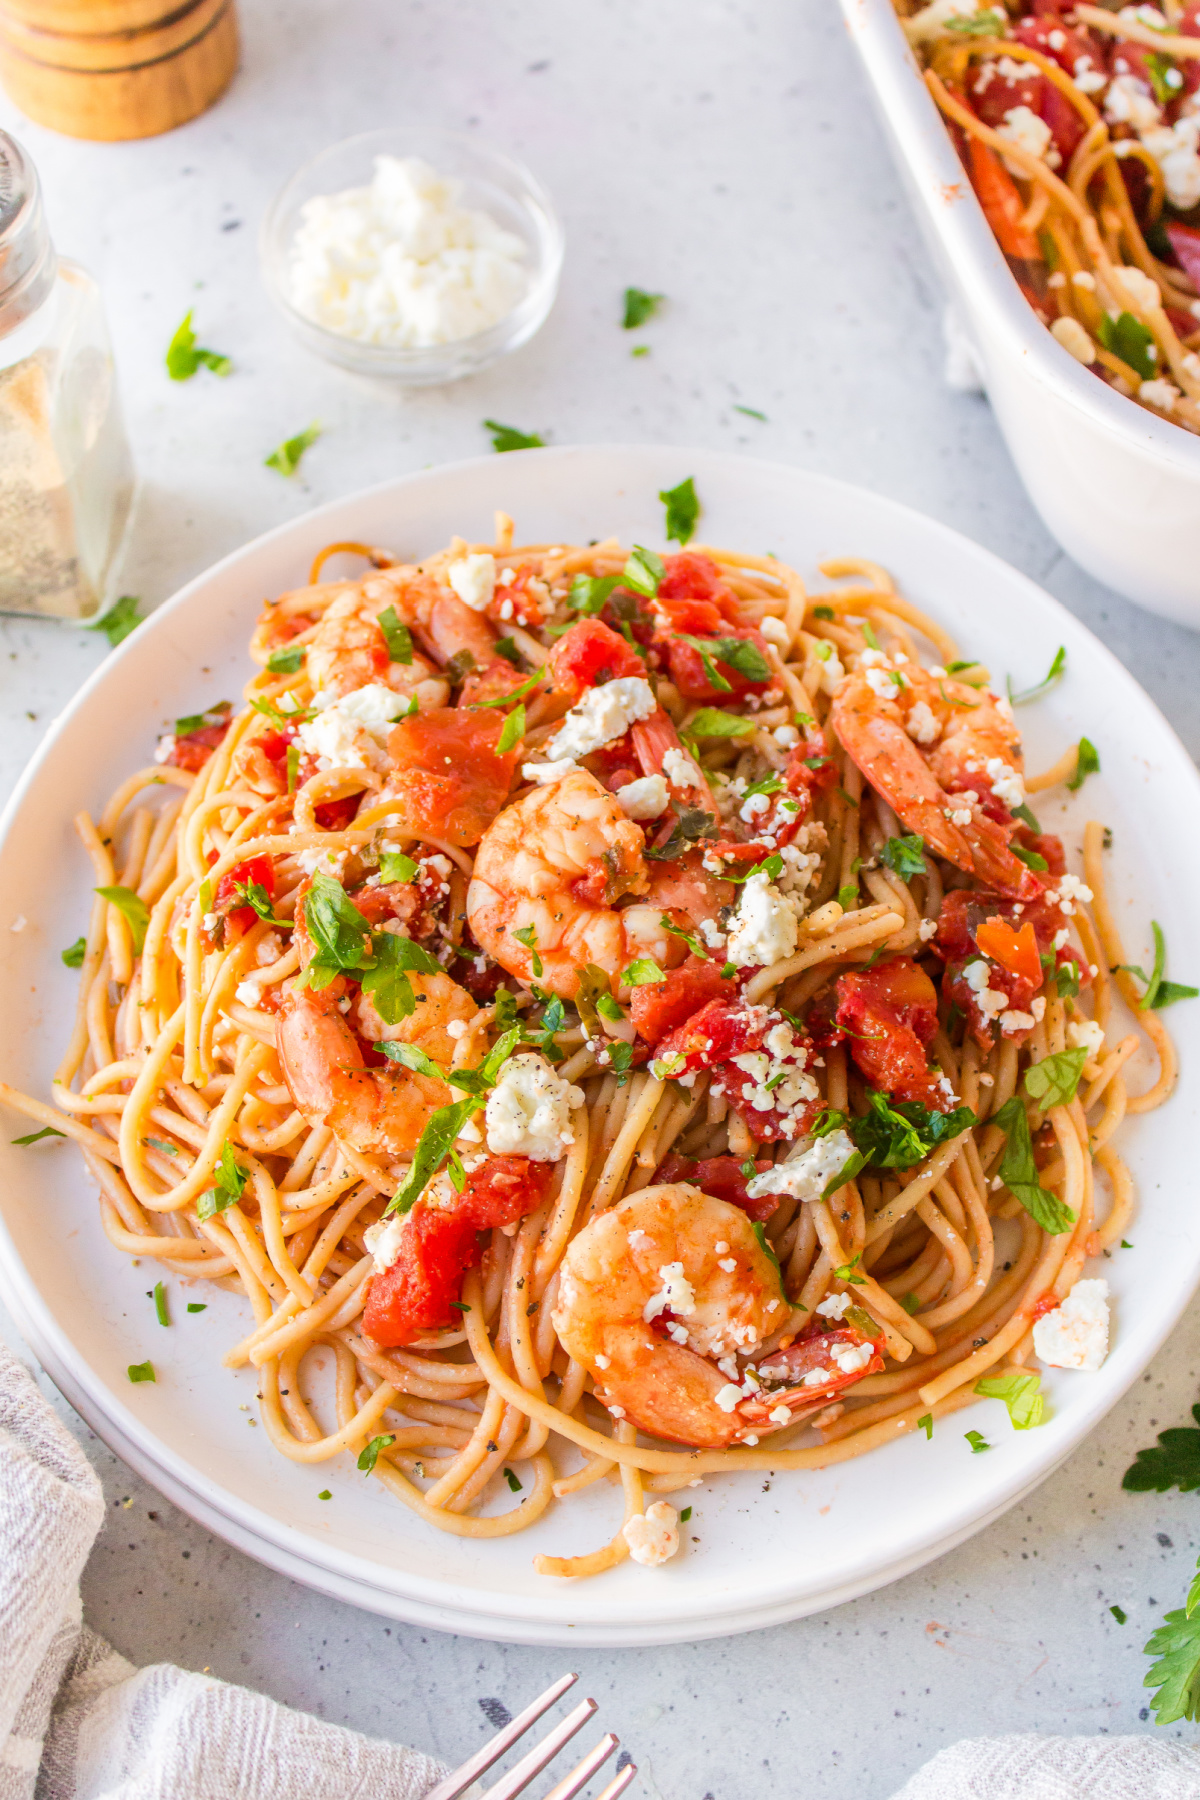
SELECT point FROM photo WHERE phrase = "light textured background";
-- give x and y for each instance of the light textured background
(723, 154)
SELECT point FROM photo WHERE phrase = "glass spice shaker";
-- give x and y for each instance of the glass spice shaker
(66, 474)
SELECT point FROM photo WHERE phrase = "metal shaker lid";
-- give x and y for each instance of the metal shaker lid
(27, 260)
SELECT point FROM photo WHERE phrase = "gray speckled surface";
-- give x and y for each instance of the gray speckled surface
(722, 153)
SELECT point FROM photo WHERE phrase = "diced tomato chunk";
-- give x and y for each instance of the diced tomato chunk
(448, 776)
(590, 654)
(1016, 951)
(691, 576)
(256, 871)
(660, 1006)
(193, 749)
(724, 1031)
(336, 815)
(890, 1014)
(687, 665)
(440, 1243)
(723, 1179)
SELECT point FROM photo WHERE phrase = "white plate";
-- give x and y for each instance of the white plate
(811, 1540)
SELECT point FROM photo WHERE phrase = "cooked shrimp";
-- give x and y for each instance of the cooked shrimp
(666, 1298)
(348, 651)
(384, 1109)
(442, 623)
(944, 757)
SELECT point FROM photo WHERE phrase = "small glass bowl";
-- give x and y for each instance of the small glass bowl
(491, 182)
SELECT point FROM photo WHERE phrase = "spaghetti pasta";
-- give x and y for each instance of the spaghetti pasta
(602, 1004)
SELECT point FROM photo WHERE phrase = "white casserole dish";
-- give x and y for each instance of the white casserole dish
(1118, 487)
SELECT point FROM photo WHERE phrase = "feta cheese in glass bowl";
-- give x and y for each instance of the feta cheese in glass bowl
(412, 253)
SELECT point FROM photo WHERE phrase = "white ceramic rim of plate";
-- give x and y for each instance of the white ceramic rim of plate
(400, 1594)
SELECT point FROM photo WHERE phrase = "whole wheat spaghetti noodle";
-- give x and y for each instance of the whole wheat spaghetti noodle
(620, 1012)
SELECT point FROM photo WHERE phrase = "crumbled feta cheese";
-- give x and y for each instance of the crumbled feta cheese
(990, 1001)
(881, 684)
(818, 1378)
(164, 749)
(270, 949)
(1088, 79)
(765, 928)
(921, 723)
(1074, 339)
(1068, 890)
(755, 807)
(676, 1295)
(327, 862)
(1174, 149)
(1006, 782)
(403, 262)
(680, 770)
(383, 1241)
(1013, 1021)
(473, 579)
(248, 993)
(712, 934)
(808, 1175)
(529, 1110)
(960, 815)
(19, 923)
(1086, 1034)
(927, 930)
(1141, 288)
(602, 1361)
(351, 732)
(1075, 1334)
(652, 1536)
(547, 773)
(832, 672)
(835, 1306)
(604, 713)
(775, 632)
(850, 1358)
(643, 799)
(1130, 102)
(786, 736)
(727, 1397)
(1161, 394)
(728, 1263)
(930, 22)
(780, 1415)
(1029, 132)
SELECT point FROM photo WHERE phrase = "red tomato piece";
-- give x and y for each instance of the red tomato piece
(661, 1006)
(690, 576)
(193, 749)
(440, 1243)
(690, 676)
(448, 776)
(335, 815)
(588, 655)
(890, 1015)
(723, 1030)
(722, 1178)
(256, 871)
(1016, 951)
(808, 1354)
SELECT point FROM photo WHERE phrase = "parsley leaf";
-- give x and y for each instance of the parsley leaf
(1020, 1390)
(1159, 992)
(691, 824)
(185, 356)
(642, 972)
(121, 618)
(229, 1179)
(925, 1424)
(512, 731)
(1023, 812)
(254, 895)
(1165, 78)
(132, 908)
(74, 953)
(160, 1303)
(409, 1056)
(1053, 1081)
(588, 593)
(751, 412)
(981, 24)
(1175, 1462)
(846, 1272)
(690, 938)
(386, 978)
(711, 722)
(683, 510)
(288, 660)
(1087, 762)
(436, 1142)
(395, 866)
(1030, 858)
(904, 856)
(396, 634)
(1018, 1171)
(340, 933)
(35, 1137)
(1176, 1674)
(643, 571)
(977, 1442)
(528, 936)
(287, 456)
(736, 653)
(1129, 339)
(141, 1372)
(518, 693)
(370, 1456)
(639, 306)
(507, 437)
(897, 1134)
(1053, 674)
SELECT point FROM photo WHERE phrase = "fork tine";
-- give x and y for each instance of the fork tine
(582, 1773)
(534, 1761)
(461, 1778)
(619, 1782)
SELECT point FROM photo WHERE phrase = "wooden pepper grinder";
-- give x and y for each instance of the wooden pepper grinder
(116, 68)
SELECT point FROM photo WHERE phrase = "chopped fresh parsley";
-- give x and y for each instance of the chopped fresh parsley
(160, 1303)
(517, 693)
(197, 1306)
(35, 1137)
(133, 910)
(395, 866)
(396, 635)
(1176, 1673)
(685, 1515)
(1023, 812)
(121, 618)
(683, 510)
(711, 722)
(1019, 1172)
(1129, 339)
(736, 653)
(340, 934)
(1053, 1081)
(644, 570)
(925, 1424)
(185, 356)
(528, 936)
(141, 1371)
(438, 1138)
(1054, 673)
(514, 1484)
(254, 895)
(642, 972)
(409, 1056)
(324, 1494)
(1031, 858)
(896, 1134)
(847, 897)
(691, 824)
(847, 1272)
(512, 731)
(1165, 78)
(751, 412)
(1087, 762)
(588, 593)
(204, 721)
(507, 437)
(639, 307)
(1119, 1614)
(74, 953)
(981, 24)
(904, 856)
(506, 648)
(287, 660)
(386, 981)
(1159, 991)
(690, 938)
(370, 1456)
(977, 1442)
(229, 1181)
(1020, 1390)
(911, 1304)
(286, 458)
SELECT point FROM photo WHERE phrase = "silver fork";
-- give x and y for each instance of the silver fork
(544, 1752)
